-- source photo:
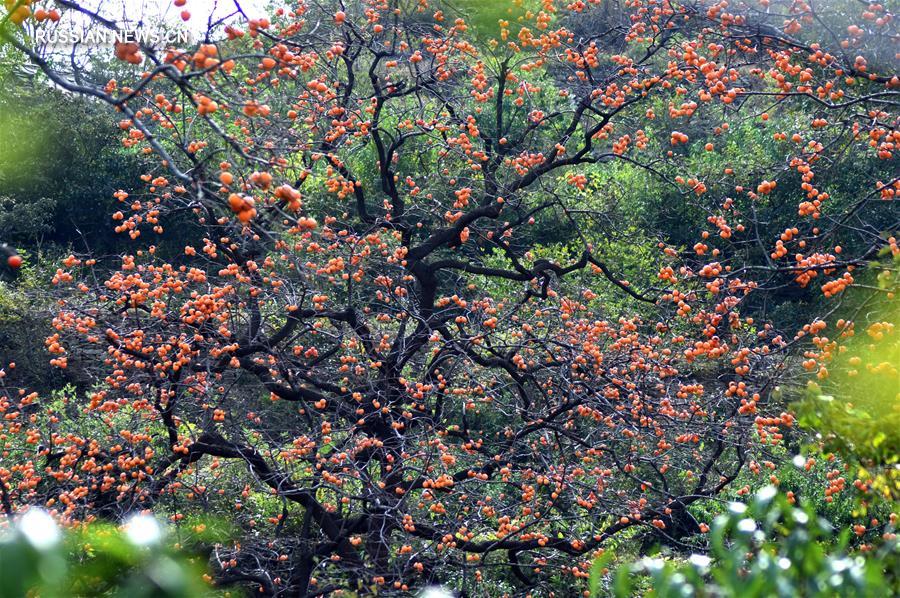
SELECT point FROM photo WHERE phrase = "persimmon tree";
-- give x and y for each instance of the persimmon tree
(368, 357)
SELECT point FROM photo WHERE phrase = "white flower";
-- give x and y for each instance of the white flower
(747, 526)
(143, 530)
(701, 561)
(39, 529)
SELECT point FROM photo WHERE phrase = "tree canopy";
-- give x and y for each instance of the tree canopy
(424, 292)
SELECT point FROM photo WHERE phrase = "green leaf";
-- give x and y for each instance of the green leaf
(596, 576)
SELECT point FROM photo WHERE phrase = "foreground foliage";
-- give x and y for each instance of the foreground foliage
(767, 548)
(99, 560)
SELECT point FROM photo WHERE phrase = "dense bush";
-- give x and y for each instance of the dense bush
(137, 560)
(763, 549)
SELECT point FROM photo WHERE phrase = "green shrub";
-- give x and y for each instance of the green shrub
(136, 560)
(762, 549)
